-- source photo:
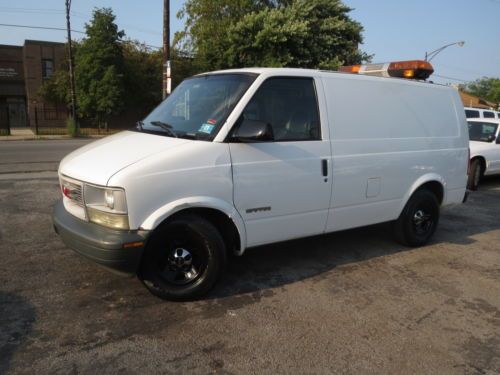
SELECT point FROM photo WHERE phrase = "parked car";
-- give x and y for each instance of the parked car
(241, 158)
(484, 135)
(471, 112)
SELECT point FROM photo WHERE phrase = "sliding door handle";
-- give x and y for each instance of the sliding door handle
(324, 167)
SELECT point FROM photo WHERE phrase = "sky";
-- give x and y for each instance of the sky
(393, 29)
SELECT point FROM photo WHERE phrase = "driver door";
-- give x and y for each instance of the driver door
(282, 187)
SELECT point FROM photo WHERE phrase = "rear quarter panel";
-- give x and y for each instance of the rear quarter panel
(388, 137)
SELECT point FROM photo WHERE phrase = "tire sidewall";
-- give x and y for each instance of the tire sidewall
(422, 199)
(476, 167)
(213, 247)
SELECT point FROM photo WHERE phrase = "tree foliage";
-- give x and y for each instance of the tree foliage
(281, 33)
(485, 88)
(100, 67)
(113, 73)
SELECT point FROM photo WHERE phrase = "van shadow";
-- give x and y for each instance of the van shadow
(17, 317)
(276, 265)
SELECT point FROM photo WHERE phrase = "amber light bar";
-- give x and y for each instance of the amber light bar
(411, 69)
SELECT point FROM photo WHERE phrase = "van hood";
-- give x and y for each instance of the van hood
(98, 161)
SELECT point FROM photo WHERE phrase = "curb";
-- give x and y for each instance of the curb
(9, 138)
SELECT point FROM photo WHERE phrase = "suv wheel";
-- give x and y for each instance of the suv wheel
(476, 173)
(419, 219)
(184, 259)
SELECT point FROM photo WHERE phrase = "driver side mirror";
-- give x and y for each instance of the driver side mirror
(491, 138)
(253, 131)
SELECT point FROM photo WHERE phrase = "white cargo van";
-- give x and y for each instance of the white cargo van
(241, 158)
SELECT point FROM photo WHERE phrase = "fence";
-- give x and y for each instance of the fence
(4, 120)
(53, 121)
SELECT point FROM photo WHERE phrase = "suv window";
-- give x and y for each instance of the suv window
(480, 131)
(471, 114)
(289, 105)
(487, 114)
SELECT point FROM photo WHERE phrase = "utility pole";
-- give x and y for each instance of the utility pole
(71, 68)
(167, 80)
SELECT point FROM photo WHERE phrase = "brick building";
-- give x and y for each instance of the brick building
(23, 69)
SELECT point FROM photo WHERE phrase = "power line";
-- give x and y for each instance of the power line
(453, 79)
(62, 29)
(77, 14)
(40, 27)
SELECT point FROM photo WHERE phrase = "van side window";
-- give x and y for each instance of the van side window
(289, 105)
(488, 114)
(471, 114)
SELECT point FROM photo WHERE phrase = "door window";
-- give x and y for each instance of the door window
(289, 105)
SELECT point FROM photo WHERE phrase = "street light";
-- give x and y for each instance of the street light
(430, 55)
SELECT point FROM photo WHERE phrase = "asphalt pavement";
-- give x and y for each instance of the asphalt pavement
(353, 302)
(39, 158)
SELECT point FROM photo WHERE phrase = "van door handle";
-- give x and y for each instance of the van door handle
(324, 167)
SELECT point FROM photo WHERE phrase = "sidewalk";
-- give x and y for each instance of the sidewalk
(32, 137)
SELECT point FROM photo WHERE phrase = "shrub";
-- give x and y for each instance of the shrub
(71, 127)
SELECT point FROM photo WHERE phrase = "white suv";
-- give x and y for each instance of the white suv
(484, 135)
(471, 112)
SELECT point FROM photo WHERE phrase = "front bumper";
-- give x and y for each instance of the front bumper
(102, 245)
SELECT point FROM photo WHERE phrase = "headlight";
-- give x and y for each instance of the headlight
(107, 219)
(106, 206)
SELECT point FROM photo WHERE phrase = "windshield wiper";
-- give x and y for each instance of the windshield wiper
(139, 125)
(167, 127)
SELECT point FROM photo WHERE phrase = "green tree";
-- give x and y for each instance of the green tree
(207, 24)
(56, 89)
(485, 88)
(143, 72)
(100, 68)
(286, 33)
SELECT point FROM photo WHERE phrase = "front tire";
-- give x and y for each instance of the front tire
(184, 259)
(476, 173)
(419, 219)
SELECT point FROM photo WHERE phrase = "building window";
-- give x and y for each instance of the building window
(47, 68)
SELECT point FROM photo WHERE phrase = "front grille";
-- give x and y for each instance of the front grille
(73, 191)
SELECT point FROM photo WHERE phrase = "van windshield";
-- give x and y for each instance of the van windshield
(198, 107)
(482, 131)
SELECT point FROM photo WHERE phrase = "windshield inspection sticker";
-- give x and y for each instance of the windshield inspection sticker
(206, 128)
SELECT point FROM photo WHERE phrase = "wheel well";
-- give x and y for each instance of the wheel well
(482, 160)
(222, 222)
(434, 187)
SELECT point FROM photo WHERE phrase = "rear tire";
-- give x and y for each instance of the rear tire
(184, 259)
(419, 219)
(476, 173)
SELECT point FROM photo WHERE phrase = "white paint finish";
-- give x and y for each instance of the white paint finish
(96, 162)
(285, 180)
(373, 187)
(406, 134)
(272, 229)
(383, 138)
(158, 216)
(490, 151)
(192, 170)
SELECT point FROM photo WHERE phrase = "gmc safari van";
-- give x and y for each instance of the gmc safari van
(241, 158)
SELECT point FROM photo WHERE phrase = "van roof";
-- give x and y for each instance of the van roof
(314, 72)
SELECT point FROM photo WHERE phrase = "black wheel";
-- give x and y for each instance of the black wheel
(476, 173)
(419, 219)
(184, 259)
